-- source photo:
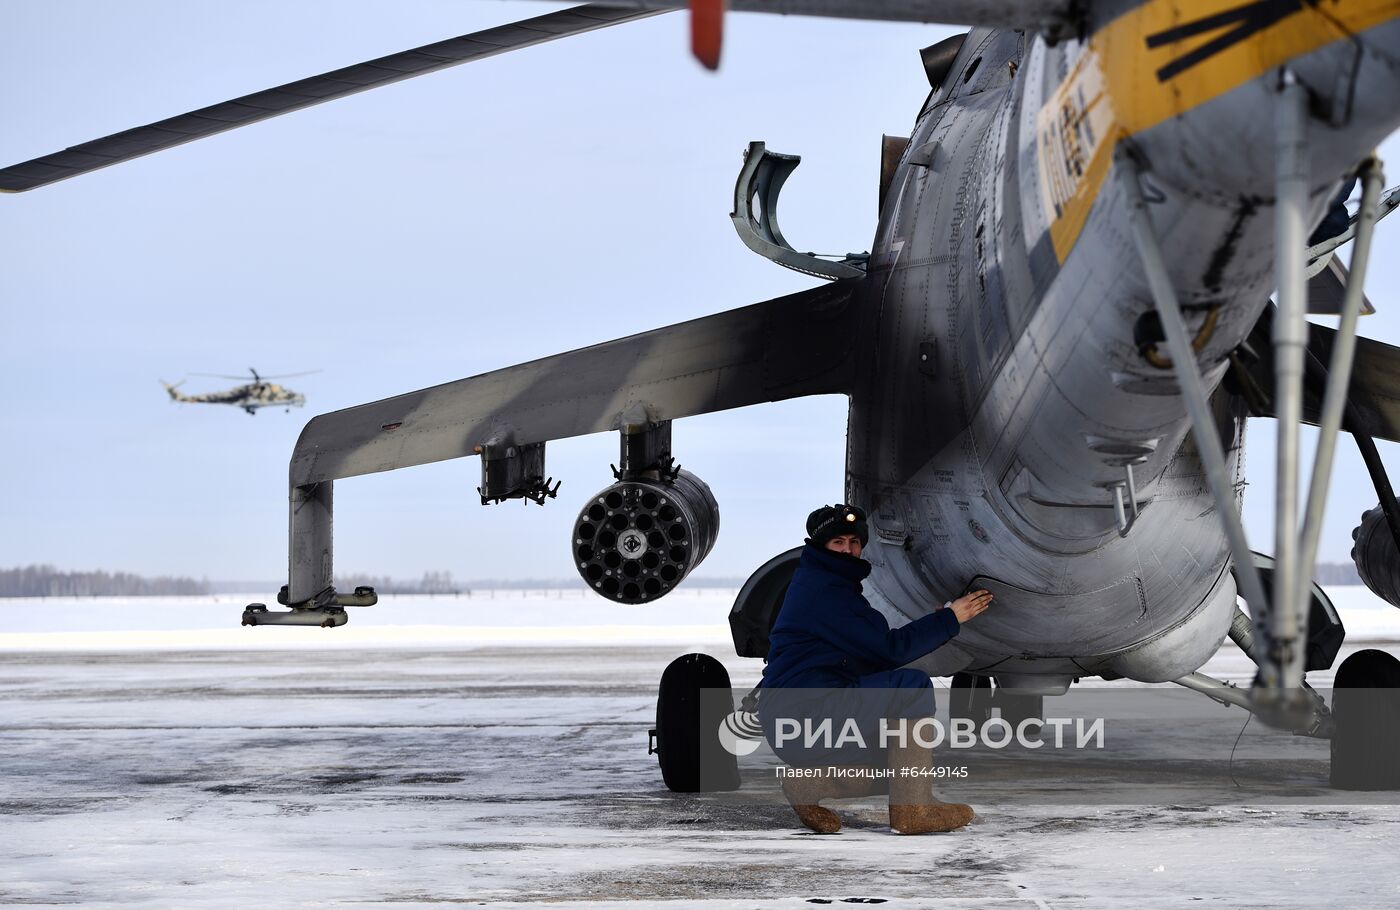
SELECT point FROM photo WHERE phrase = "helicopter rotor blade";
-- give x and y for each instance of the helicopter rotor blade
(350, 80)
(1038, 15)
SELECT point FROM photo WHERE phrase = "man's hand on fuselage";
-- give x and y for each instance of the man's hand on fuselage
(970, 605)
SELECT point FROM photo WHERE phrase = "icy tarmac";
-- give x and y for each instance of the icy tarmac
(221, 767)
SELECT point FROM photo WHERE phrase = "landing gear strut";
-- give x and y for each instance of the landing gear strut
(970, 698)
(973, 698)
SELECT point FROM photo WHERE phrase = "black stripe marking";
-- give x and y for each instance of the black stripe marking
(1248, 20)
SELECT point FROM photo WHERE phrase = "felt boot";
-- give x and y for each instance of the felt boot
(804, 793)
(913, 807)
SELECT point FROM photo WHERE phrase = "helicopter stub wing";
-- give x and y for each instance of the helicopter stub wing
(1327, 291)
(788, 347)
(1373, 395)
(273, 102)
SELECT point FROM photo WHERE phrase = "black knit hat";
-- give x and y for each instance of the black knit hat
(833, 521)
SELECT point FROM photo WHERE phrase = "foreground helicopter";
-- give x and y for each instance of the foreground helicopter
(260, 393)
(1050, 351)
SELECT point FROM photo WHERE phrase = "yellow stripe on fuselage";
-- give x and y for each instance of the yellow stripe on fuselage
(1113, 89)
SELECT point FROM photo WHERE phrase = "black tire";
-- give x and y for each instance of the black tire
(1366, 714)
(687, 727)
(970, 698)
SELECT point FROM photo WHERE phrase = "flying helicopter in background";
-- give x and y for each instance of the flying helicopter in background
(260, 393)
(1050, 351)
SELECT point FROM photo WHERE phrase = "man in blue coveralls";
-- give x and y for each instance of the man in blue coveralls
(833, 657)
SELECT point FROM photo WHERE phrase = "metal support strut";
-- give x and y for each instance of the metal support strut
(1316, 721)
(1283, 670)
(310, 591)
(1280, 697)
(1281, 691)
(1334, 401)
(1188, 376)
(1126, 514)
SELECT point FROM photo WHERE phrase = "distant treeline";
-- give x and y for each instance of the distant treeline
(443, 583)
(430, 583)
(46, 581)
(1336, 573)
(555, 584)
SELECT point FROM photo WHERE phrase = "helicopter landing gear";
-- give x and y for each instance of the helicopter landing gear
(970, 698)
(973, 698)
(686, 739)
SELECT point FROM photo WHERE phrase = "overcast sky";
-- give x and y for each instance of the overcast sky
(438, 228)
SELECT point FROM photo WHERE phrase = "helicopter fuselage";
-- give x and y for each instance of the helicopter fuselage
(1007, 390)
(249, 397)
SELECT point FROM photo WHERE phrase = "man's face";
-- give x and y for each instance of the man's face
(845, 543)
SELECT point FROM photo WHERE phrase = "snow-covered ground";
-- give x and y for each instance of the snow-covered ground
(573, 616)
(555, 617)
(493, 751)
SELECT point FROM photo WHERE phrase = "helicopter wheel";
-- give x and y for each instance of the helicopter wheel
(1366, 709)
(687, 742)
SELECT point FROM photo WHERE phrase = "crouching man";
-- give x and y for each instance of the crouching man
(833, 660)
